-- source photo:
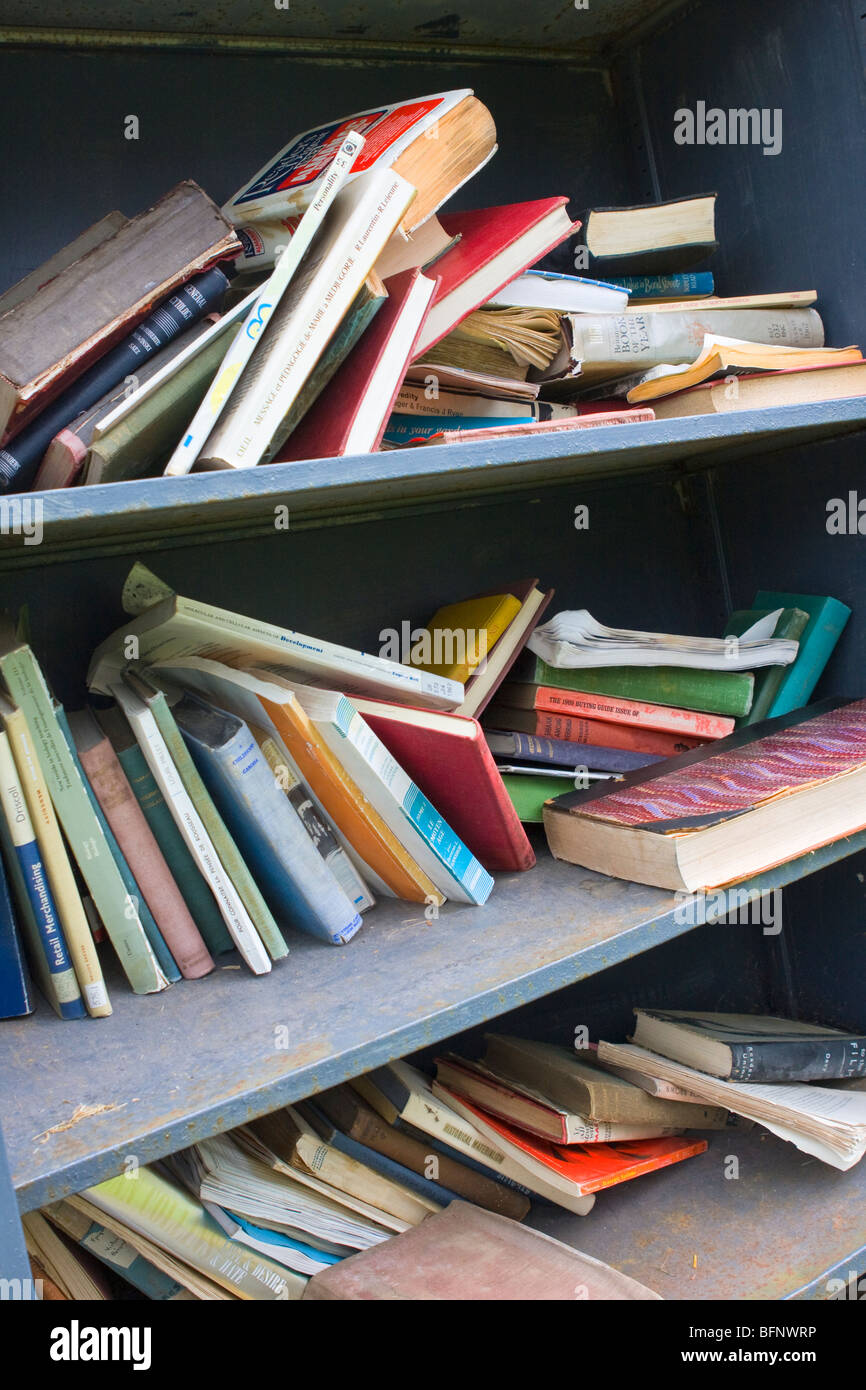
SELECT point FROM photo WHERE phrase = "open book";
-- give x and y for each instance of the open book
(734, 355)
(574, 639)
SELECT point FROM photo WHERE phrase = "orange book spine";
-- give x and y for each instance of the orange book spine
(600, 734)
(617, 710)
(346, 804)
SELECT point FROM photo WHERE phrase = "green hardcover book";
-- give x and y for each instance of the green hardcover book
(139, 442)
(119, 914)
(792, 623)
(190, 881)
(711, 692)
(167, 962)
(529, 793)
(230, 856)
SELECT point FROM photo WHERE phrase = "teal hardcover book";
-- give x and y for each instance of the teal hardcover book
(827, 618)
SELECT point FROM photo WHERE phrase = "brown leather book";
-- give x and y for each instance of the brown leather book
(464, 1253)
(349, 1113)
(139, 847)
(89, 305)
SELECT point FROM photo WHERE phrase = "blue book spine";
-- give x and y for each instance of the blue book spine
(52, 940)
(151, 930)
(15, 994)
(696, 285)
(114, 1252)
(827, 618)
(559, 752)
(400, 429)
(288, 868)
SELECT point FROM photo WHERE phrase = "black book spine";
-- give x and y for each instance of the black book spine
(186, 306)
(824, 1059)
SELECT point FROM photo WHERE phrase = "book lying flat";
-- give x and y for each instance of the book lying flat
(448, 758)
(787, 385)
(601, 733)
(574, 638)
(651, 238)
(559, 753)
(530, 1110)
(576, 1169)
(828, 1123)
(569, 293)
(179, 627)
(440, 377)
(751, 1047)
(763, 796)
(728, 355)
(575, 1081)
(464, 1253)
(616, 709)
(540, 427)
(714, 692)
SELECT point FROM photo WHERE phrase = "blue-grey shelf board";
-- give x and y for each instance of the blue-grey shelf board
(210, 1054)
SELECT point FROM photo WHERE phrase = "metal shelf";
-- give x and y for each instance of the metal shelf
(208, 1055)
(83, 521)
(784, 1227)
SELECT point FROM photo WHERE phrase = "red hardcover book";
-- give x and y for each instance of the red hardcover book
(349, 416)
(580, 1169)
(616, 709)
(597, 732)
(496, 244)
(448, 757)
(590, 420)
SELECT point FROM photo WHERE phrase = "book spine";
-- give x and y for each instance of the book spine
(36, 885)
(61, 879)
(20, 459)
(145, 860)
(420, 1186)
(403, 429)
(80, 824)
(118, 1255)
(241, 348)
(816, 647)
(634, 713)
(712, 692)
(695, 285)
(528, 748)
(620, 343)
(229, 861)
(600, 734)
(171, 776)
(433, 842)
(137, 902)
(15, 996)
(184, 869)
(824, 1059)
(270, 834)
(298, 331)
(335, 1166)
(321, 836)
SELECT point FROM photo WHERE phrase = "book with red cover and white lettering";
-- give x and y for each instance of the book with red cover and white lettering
(576, 1169)
(573, 728)
(616, 709)
(447, 756)
(587, 420)
(349, 416)
(495, 245)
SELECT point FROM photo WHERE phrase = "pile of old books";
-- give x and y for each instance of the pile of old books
(328, 308)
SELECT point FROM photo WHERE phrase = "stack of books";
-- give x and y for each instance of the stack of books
(362, 313)
(297, 1205)
(585, 703)
(802, 1081)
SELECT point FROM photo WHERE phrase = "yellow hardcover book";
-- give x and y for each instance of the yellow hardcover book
(460, 636)
(67, 898)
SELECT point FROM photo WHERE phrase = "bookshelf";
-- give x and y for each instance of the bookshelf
(693, 516)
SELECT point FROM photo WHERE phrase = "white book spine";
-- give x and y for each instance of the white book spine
(264, 301)
(238, 921)
(247, 430)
